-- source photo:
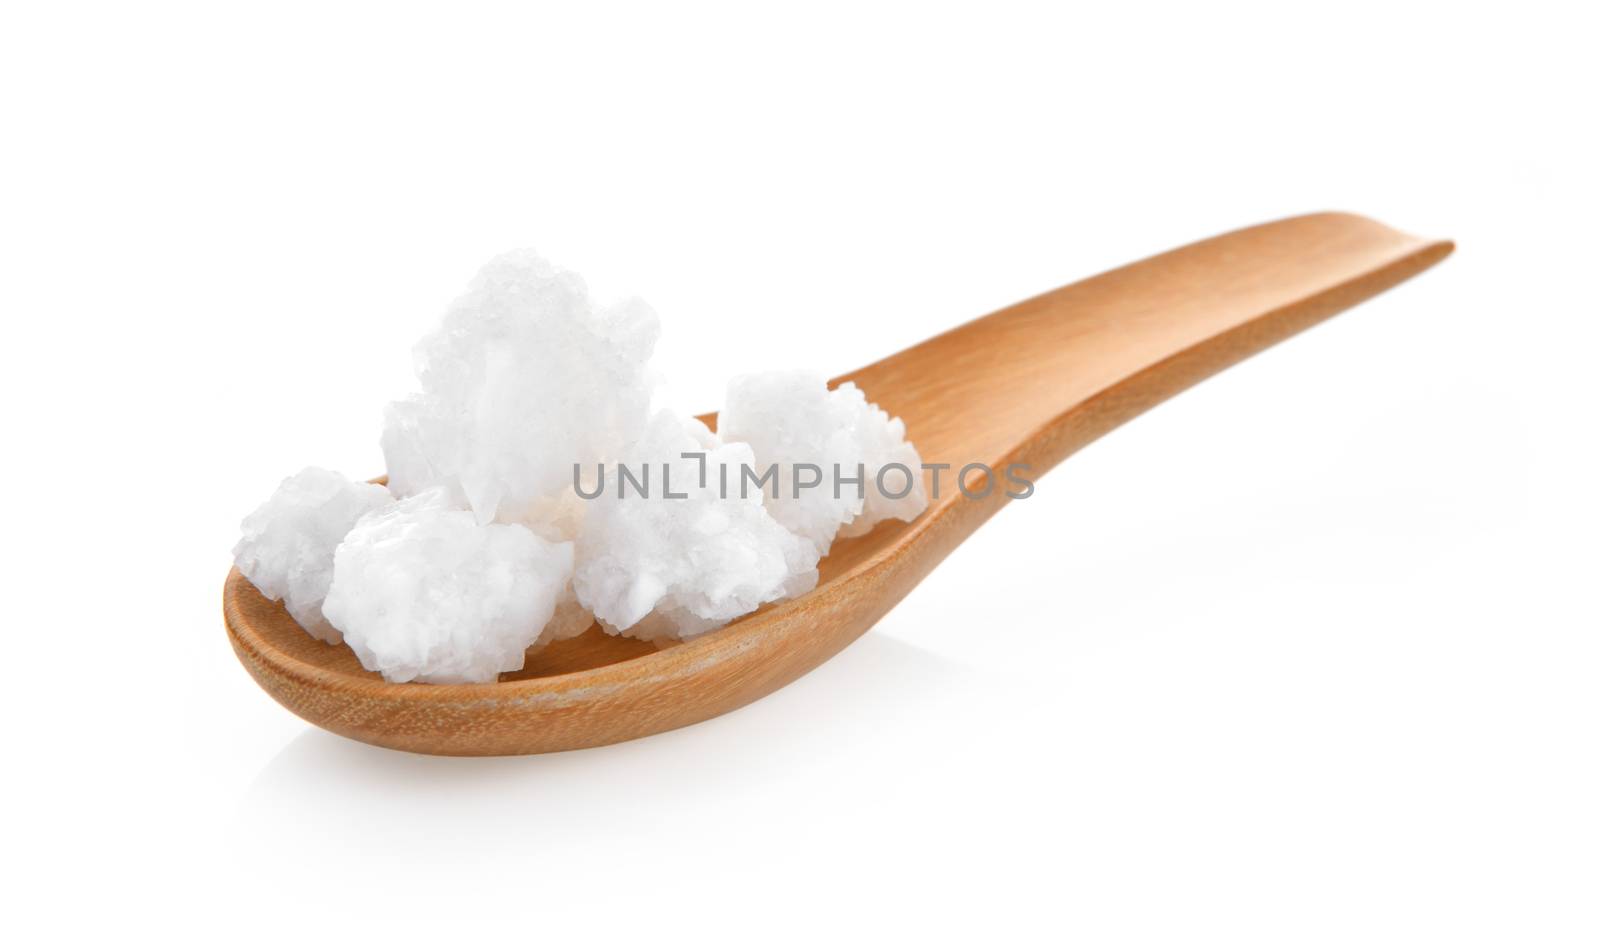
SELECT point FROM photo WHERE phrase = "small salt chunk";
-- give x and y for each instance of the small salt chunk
(570, 620)
(654, 565)
(287, 546)
(793, 420)
(891, 464)
(423, 592)
(525, 377)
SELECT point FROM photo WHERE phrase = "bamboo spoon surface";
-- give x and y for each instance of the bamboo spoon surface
(1027, 385)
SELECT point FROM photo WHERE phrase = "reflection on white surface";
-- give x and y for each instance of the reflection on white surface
(328, 796)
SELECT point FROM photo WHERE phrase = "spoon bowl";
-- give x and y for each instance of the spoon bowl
(1028, 386)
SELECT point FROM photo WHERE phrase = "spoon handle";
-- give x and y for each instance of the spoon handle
(1042, 378)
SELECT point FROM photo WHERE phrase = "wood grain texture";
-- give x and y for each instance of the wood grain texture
(1030, 384)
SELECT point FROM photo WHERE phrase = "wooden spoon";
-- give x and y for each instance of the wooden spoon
(1030, 384)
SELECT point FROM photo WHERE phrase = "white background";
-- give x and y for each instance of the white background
(1304, 659)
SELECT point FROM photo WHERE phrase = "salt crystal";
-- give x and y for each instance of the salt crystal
(525, 377)
(287, 546)
(894, 468)
(792, 418)
(570, 620)
(492, 549)
(423, 592)
(653, 565)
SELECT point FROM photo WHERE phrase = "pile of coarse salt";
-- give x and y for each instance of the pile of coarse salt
(486, 543)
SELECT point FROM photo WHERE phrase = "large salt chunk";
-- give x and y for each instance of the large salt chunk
(287, 546)
(813, 435)
(652, 565)
(525, 377)
(423, 592)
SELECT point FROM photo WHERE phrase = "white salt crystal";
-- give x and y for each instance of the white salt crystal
(491, 550)
(570, 620)
(525, 377)
(792, 418)
(423, 592)
(684, 566)
(891, 464)
(287, 546)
